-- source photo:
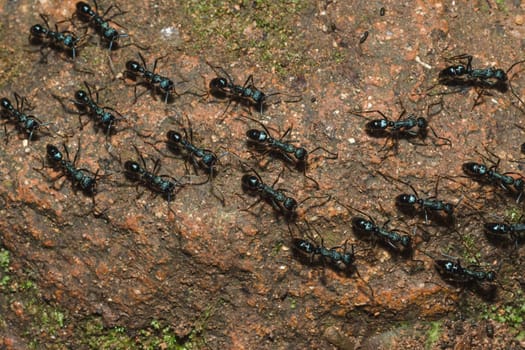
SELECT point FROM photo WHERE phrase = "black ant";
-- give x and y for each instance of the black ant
(485, 78)
(223, 86)
(453, 272)
(161, 184)
(390, 237)
(62, 40)
(407, 128)
(81, 178)
(200, 157)
(153, 80)
(101, 25)
(501, 229)
(290, 152)
(277, 197)
(408, 202)
(473, 276)
(344, 259)
(489, 174)
(25, 123)
(339, 257)
(103, 117)
(368, 227)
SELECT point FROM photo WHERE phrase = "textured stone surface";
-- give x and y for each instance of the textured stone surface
(143, 262)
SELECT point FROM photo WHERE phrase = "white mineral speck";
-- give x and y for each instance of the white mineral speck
(169, 32)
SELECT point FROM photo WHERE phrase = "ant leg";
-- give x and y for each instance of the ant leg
(76, 154)
(304, 166)
(447, 141)
(462, 57)
(510, 85)
(277, 179)
(358, 113)
(332, 155)
(248, 82)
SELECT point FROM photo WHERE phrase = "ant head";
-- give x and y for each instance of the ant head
(422, 123)
(53, 153)
(497, 228)
(256, 135)
(500, 75)
(448, 208)
(301, 153)
(166, 85)
(360, 224)
(405, 241)
(446, 267)
(406, 199)
(218, 84)
(84, 8)
(303, 245)
(453, 71)
(89, 186)
(31, 123)
(250, 182)
(474, 169)
(133, 66)
(519, 184)
(111, 35)
(209, 159)
(132, 167)
(5, 103)
(290, 204)
(491, 276)
(174, 136)
(348, 258)
(169, 187)
(38, 30)
(81, 96)
(376, 125)
(70, 41)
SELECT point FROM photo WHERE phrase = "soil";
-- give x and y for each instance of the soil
(219, 270)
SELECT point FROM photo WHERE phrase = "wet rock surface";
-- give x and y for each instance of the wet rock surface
(230, 269)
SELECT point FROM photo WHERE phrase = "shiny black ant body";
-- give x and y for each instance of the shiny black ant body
(472, 276)
(338, 257)
(281, 202)
(101, 25)
(25, 123)
(82, 178)
(153, 80)
(410, 201)
(204, 157)
(485, 78)
(290, 152)
(453, 272)
(333, 254)
(161, 184)
(464, 74)
(181, 143)
(407, 128)
(482, 172)
(62, 40)
(223, 86)
(101, 115)
(500, 229)
(390, 237)
(199, 156)
(368, 227)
